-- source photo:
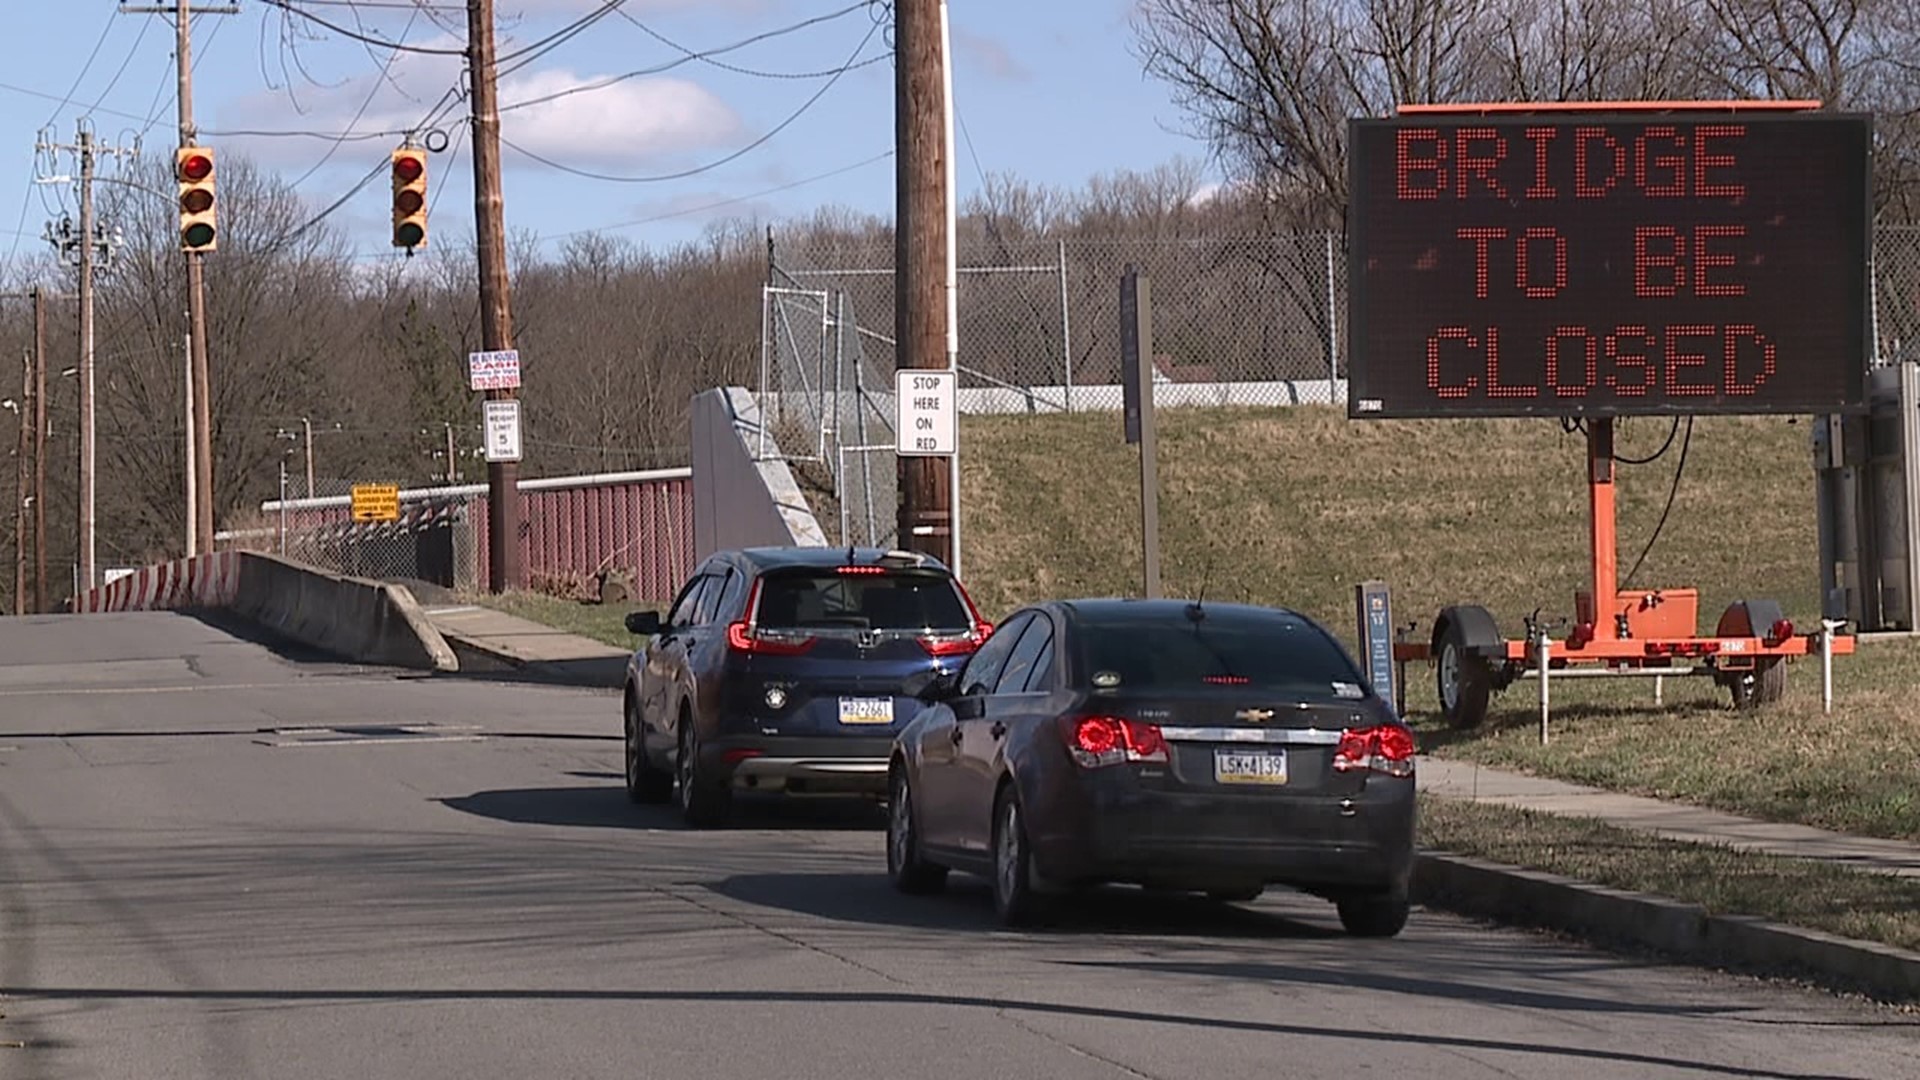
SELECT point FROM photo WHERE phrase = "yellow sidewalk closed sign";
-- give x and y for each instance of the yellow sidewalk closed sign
(376, 502)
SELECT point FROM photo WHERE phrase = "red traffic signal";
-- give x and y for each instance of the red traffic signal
(409, 197)
(195, 165)
(193, 168)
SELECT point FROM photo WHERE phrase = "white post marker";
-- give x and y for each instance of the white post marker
(502, 424)
(925, 412)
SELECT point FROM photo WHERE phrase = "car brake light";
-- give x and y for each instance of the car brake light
(871, 570)
(739, 754)
(1781, 630)
(1386, 749)
(744, 638)
(1226, 680)
(1094, 741)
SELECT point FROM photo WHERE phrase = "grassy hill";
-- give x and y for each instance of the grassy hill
(1295, 505)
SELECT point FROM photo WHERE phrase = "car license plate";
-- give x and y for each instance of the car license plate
(863, 710)
(1255, 767)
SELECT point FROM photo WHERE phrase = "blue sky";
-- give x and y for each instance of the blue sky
(1047, 89)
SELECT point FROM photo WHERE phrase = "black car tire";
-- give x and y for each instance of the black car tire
(1015, 900)
(703, 803)
(909, 872)
(1373, 914)
(645, 784)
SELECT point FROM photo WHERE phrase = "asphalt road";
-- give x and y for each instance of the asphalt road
(219, 862)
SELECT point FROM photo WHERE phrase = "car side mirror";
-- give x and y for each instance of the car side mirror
(643, 623)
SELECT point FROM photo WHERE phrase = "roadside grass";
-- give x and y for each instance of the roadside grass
(601, 622)
(1295, 506)
(1799, 892)
(1852, 770)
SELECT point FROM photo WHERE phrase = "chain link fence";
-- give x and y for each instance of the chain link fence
(1236, 321)
(432, 540)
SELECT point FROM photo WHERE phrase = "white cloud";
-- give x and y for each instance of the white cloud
(632, 122)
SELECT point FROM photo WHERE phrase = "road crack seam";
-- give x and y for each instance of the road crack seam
(771, 932)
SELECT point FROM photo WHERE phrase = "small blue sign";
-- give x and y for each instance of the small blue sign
(1373, 608)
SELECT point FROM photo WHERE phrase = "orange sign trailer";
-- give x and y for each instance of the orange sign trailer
(1651, 632)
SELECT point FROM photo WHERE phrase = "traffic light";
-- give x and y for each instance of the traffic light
(193, 168)
(409, 197)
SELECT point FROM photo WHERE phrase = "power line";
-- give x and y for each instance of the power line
(535, 51)
(723, 203)
(425, 50)
(707, 57)
(385, 68)
(711, 165)
(131, 53)
(26, 203)
(601, 84)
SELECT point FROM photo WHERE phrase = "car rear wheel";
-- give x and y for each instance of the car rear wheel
(645, 784)
(1373, 914)
(909, 871)
(1015, 900)
(702, 802)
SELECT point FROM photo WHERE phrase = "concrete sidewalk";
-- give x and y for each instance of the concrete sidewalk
(1675, 821)
(494, 642)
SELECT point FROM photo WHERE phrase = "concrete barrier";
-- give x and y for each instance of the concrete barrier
(368, 622)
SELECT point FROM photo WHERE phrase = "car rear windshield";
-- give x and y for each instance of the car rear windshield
(893, 600)
(1275, 652)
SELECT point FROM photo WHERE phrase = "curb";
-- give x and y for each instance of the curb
(1512, 894)
(476, 657)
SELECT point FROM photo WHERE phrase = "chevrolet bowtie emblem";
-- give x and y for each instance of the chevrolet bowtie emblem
(1255, 716)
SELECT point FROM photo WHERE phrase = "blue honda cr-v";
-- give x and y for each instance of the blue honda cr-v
(787, 670)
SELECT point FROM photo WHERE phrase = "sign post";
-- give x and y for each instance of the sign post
(1136, 379)
(1373, 611)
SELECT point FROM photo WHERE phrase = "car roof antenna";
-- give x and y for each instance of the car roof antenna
(1197, 611)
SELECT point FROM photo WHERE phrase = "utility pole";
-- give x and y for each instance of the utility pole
(924, 330)
(89, 576)
(200, 407)
(451, 475)
(39, 450)
(20, 497)
(92, 241)
(496, 307)
(190, 453)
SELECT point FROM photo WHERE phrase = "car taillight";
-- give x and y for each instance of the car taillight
(1094, 741)
(747, 639)
(955, 644)
(1386, 749)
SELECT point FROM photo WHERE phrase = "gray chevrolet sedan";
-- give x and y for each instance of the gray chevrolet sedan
(1214, 748)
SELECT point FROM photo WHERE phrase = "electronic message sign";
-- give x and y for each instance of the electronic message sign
(1572, 263)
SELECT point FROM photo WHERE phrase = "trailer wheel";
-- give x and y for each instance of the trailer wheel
(1462, 680)
(1764, 685)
